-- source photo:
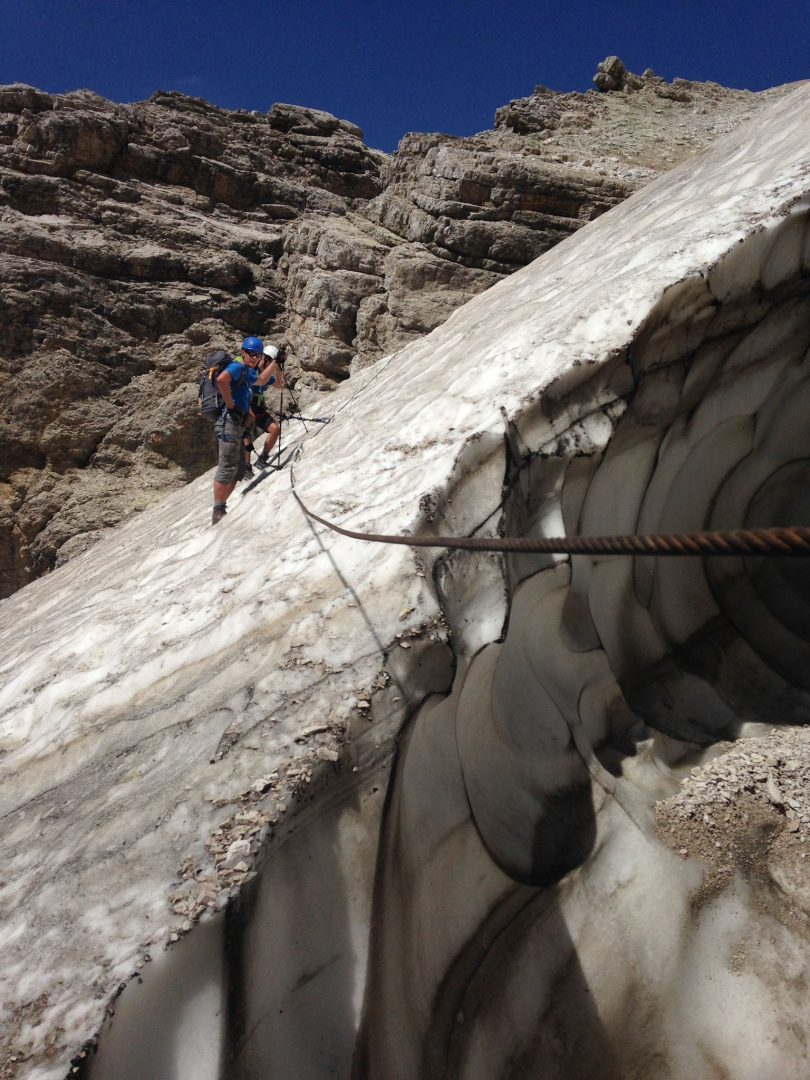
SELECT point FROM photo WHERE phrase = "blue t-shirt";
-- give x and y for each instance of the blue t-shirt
(242, 380)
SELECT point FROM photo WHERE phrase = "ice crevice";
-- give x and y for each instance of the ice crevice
(438, 845)
(628, 663)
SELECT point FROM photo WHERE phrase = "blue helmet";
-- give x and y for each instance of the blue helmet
(253, 344)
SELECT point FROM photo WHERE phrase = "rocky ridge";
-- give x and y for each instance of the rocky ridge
(134, 238)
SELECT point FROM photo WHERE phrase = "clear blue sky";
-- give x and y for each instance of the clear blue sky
(417, 65)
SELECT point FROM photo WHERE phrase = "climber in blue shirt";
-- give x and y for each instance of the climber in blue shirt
(236, 383)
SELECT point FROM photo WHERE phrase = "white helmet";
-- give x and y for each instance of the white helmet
(271, 351)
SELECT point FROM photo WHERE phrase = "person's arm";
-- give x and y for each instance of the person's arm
(282, 356)
(224, 387)
(272, 371)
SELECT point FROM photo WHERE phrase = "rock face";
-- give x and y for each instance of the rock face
(136, 238)
(412, 797)
(131, 238)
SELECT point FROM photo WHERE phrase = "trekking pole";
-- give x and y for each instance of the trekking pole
(280, 421)
(297, 408)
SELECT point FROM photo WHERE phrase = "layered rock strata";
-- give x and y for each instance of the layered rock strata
(135, 238)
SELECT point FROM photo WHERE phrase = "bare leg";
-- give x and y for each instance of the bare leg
(273, 433)
(222, 491)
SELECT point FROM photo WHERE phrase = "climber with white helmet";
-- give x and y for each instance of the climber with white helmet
(261, 417)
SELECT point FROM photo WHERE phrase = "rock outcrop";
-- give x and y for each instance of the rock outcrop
(134, 238)
(333, 808)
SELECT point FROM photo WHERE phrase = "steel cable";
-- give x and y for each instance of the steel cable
(791, 540)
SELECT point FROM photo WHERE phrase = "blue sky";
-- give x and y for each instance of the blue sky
(417, 65)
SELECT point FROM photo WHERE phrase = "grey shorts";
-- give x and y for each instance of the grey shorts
(229, 440)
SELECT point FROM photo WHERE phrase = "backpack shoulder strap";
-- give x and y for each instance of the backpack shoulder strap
(236, 382)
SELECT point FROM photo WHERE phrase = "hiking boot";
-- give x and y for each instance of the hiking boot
(219, 513)
(249, 473)
(262, 461)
